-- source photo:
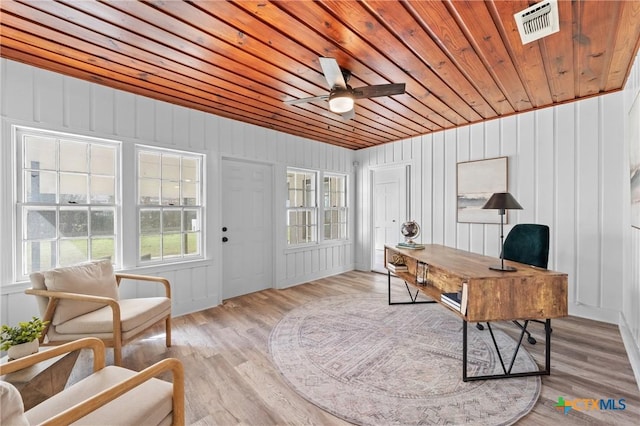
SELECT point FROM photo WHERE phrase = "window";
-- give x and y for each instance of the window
(335, 207)
(68, 198)
(301, 207)
(170, 205)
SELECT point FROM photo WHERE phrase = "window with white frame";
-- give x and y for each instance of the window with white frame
(335, 206)
(170, 205)
(302, 207)
(68, 199)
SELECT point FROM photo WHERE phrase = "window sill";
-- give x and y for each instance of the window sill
(316, 246)
(155, 267)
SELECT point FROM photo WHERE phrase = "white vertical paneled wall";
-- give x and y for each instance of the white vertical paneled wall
(566, 168)
(630, 315)
(38, 98)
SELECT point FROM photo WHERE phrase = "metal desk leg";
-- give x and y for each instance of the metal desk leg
(412, 296)
(547, 344)
(507, 371)
(464, 351)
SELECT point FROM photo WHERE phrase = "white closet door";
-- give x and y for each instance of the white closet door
(247, 215)
(389, 210)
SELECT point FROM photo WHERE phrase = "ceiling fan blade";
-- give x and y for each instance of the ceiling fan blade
(305, 100)
(332, 73)
(349, 114)
(378, 90)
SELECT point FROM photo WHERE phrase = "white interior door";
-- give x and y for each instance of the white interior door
(389, 211)
(247, 216)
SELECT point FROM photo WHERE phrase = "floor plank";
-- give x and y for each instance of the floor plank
(230, 379)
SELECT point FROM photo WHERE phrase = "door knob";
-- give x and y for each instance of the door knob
(225, 239)
(224, 229)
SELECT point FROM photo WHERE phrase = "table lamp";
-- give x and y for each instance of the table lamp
(502, 201)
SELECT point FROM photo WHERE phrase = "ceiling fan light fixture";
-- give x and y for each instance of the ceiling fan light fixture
(341, 103)
(341, 96)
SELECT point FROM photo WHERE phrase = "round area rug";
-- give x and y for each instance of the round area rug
(374, 364)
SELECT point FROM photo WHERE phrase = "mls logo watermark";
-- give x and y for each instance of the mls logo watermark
(589, 404)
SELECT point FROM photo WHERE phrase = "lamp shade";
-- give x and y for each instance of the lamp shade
(341, 103)
(502, 201)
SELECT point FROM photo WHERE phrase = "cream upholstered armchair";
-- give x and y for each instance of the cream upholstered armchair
(111, 395)
(83, 301)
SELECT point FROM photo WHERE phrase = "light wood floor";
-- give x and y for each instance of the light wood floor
(230, 379)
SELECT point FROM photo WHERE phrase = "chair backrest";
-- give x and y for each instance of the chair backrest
(528, 243)
(37, 282)
(94, 278)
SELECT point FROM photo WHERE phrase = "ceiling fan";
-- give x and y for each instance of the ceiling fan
(342, 97)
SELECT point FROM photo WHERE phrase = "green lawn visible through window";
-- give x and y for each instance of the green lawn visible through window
(76, 250)
(150, 245)
(170, 204)
(72, 251)
(68, 199)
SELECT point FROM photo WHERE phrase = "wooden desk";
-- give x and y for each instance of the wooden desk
(526, 294)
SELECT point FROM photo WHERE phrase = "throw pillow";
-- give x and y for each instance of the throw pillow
(92, 278)
(11, 407)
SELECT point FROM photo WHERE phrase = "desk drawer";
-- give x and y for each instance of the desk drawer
(533, 297)
(445, 281)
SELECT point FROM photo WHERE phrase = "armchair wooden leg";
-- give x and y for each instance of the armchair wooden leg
(117, 352)
(168, 331)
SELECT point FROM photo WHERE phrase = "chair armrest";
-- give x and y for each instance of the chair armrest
(164, 281)
(53, 301)
(72, 296)
(91, 404)
(96, 345)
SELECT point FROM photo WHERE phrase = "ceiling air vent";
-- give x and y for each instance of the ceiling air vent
(538, 21)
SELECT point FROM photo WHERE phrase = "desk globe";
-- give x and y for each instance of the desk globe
(409, 231)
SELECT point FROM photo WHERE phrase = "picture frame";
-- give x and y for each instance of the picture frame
(476, 181)
(634, 162)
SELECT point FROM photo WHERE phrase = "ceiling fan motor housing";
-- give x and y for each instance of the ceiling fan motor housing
(342, 96)
(341, 99)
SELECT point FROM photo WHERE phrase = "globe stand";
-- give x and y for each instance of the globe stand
(410, 230)
(411, 243)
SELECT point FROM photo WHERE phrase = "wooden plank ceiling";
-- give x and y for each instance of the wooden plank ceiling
(462, 61)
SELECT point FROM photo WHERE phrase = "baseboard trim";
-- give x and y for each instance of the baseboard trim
(314, 276)
(365, 267)
(631, 346)
(597, 314)
(185, 308)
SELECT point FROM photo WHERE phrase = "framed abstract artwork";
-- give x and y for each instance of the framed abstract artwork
(634, 161)
(476, 182)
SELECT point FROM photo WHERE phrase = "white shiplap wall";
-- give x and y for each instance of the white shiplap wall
(630, 315)
(565, 169)
(568, 168)
(38, 98)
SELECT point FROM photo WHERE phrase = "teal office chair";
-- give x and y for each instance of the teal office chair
(527, 243)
